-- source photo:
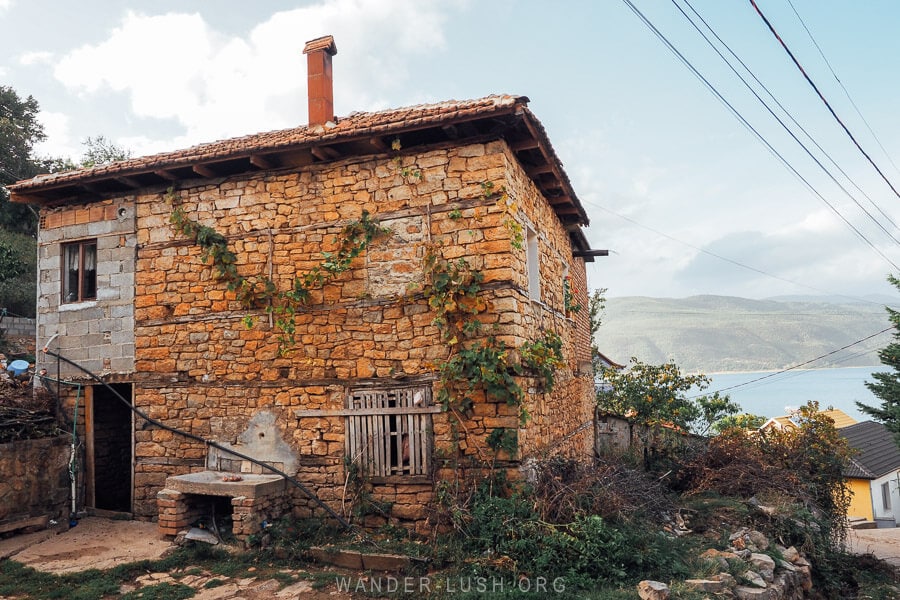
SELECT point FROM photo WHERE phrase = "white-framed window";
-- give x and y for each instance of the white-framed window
(533, 264)
(389, 430)
(886, 495)
(79, 271)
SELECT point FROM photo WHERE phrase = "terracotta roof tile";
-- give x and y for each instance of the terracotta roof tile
(354, 125)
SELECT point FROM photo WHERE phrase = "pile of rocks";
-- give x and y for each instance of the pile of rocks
(758, 576)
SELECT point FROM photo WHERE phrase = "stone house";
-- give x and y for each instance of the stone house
(351, 384)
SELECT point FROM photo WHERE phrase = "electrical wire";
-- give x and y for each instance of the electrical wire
(725, 258)
(790, 116)
(822, 97)
(797, 366)
(752, 129)
(841, 83)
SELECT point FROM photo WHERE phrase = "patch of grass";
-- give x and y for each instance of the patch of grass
(213, 583)
(161, 591)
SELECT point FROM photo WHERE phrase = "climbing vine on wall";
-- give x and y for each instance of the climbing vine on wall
(543, 356)
(260, 291)
(508, 207)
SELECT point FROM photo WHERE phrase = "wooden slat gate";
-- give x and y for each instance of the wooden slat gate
(389, 430)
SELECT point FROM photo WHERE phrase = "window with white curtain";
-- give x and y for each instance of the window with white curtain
(79, 271)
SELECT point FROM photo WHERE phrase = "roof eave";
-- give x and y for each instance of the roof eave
(508, 117)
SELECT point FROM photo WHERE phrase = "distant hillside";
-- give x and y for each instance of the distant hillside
(712, 334)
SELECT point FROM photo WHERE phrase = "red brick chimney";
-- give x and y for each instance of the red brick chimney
(320, 86)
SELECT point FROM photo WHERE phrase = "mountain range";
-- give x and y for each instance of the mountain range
(714, 334)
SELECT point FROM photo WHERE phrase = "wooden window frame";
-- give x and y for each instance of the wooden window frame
(389, 431)
(80, 295)
(533, 263)
(886, 495)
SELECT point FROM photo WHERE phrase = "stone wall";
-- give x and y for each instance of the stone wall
(34, 480)
(200, 368)
(98, 334)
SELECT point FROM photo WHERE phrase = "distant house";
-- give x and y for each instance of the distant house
(840, 418)
(601, 363)
(874, 475)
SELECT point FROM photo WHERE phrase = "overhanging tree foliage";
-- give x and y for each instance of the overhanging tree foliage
(20, 130)
(887, 384)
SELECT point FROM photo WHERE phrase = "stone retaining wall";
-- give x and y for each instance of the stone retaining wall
(34, 480)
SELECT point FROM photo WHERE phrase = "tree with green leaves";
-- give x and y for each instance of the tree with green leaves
(887, 384)
(20, 130)
(596, 305)
(101, 151)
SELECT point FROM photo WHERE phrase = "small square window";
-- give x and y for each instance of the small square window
(389, 430)
(79, 271)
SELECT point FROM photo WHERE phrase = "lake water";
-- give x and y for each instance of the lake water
(838, 388)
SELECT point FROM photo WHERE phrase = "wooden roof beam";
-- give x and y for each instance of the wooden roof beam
(129, 182)
(90, 188)
(528, 143)
(541, 169)
(262, 162)
(203, 170)
(379, 144)
(451, 131)
(166, 174)
(324, 153)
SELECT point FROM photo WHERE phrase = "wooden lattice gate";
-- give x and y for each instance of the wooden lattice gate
(389, 431)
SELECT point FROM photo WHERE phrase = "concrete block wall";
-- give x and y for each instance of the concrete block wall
(17, 326)
(98, 334)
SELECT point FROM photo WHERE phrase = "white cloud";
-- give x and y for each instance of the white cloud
(59, 140)
(176, 67)
(5, 4)
(33, 58)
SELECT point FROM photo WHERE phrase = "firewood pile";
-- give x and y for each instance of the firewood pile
(25, 412)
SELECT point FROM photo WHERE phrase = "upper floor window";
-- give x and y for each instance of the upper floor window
(79, 271)
(533, 266)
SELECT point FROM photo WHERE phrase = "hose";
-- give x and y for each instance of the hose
(73, 461)
(197, 438)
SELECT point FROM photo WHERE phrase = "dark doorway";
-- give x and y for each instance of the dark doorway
(112, 448)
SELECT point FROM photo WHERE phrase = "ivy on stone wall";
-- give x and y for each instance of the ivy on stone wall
(260, 291)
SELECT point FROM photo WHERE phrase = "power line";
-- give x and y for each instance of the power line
(724, 258)
(750, 127)
(822, 97)
(789, 115)
(803, 364)
(841, 83)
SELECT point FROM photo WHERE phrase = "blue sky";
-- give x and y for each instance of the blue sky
(639, 135)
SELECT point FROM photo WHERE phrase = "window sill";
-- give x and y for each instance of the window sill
(73, 306)
(401, 479)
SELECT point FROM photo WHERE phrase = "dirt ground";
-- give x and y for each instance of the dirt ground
(98, 543)
(883, 543)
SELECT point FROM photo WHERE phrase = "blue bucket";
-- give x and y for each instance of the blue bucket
(17, 367)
